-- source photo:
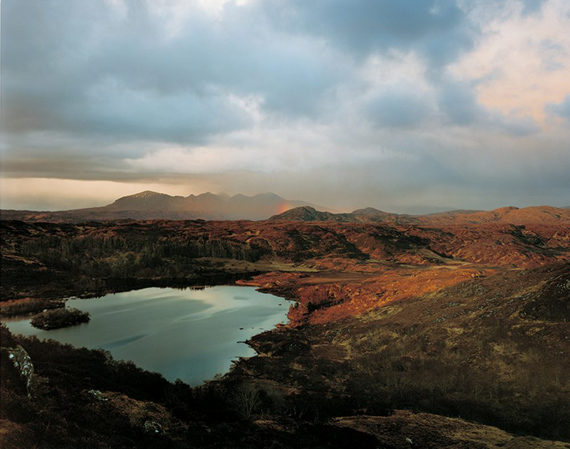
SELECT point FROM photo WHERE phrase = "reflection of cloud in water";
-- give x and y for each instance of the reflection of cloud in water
(202, 310)
(122, 342)
(118, 310)
(187, 334)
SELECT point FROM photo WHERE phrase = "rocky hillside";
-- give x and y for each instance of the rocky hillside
(397, 330)
(506, 215)
(150, 205)
(47, 254)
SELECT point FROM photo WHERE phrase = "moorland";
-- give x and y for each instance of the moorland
(449, 330)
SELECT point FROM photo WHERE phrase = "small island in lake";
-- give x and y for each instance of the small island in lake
(58, 318)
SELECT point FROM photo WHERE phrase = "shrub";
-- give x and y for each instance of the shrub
(28, 305)
(55, 319)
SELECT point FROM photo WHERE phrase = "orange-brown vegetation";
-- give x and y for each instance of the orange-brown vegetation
(27, 305)
(326, 297)
(467, 315)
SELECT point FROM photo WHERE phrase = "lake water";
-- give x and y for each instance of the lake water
(186, 334)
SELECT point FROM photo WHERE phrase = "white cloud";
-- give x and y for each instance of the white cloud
(522, 62)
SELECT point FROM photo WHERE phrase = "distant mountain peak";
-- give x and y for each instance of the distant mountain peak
(150, 205)
(268, 195)
(144, 194)
(370, 212)
(504, 215)
(303, 210)
(239, 196)
(302, 213)
(208, 206)
(309, 213)
(505, 209)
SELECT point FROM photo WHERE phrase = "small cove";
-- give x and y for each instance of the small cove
(187, 334)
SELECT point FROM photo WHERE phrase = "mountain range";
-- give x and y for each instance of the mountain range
(462, 313)
(150, 205)
(510, 215)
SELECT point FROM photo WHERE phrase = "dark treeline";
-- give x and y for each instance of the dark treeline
(50, 260)
(120, 256)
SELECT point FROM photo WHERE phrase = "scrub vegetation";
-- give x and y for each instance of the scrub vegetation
(27, 306)
(397, 332)
(58, 318)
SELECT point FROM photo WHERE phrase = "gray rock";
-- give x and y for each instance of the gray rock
(23, 364)
(152, 427)
(98, 395)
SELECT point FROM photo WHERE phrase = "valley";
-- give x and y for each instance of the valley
(284, 224)
(423, 331)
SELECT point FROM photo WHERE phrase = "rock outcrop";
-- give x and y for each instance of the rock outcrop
(23, 364)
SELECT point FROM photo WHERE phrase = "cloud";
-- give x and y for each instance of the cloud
(531, 6)
(388, 102)
(398, 106)
(521, 62)
(115, 108)
(458, 102)
(102, 72)
(437, 30)
(552, 53)
(561, 109)
(460, 106)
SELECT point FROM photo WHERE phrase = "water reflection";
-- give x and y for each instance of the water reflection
(191, 334)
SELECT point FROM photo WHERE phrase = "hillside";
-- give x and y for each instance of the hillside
(150, 205)
(506, 215)
(307, 213)
(450, 336)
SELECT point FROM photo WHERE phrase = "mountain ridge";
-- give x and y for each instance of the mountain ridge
(503, 215)
(151, 205)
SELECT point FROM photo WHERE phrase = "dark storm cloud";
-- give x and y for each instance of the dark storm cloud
(438, 30)
(78, 67)
(94, 75)
(50, 167)
(357, 97)
(238, 54)
(85, 69)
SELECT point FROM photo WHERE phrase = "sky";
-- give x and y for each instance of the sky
(407, 106)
